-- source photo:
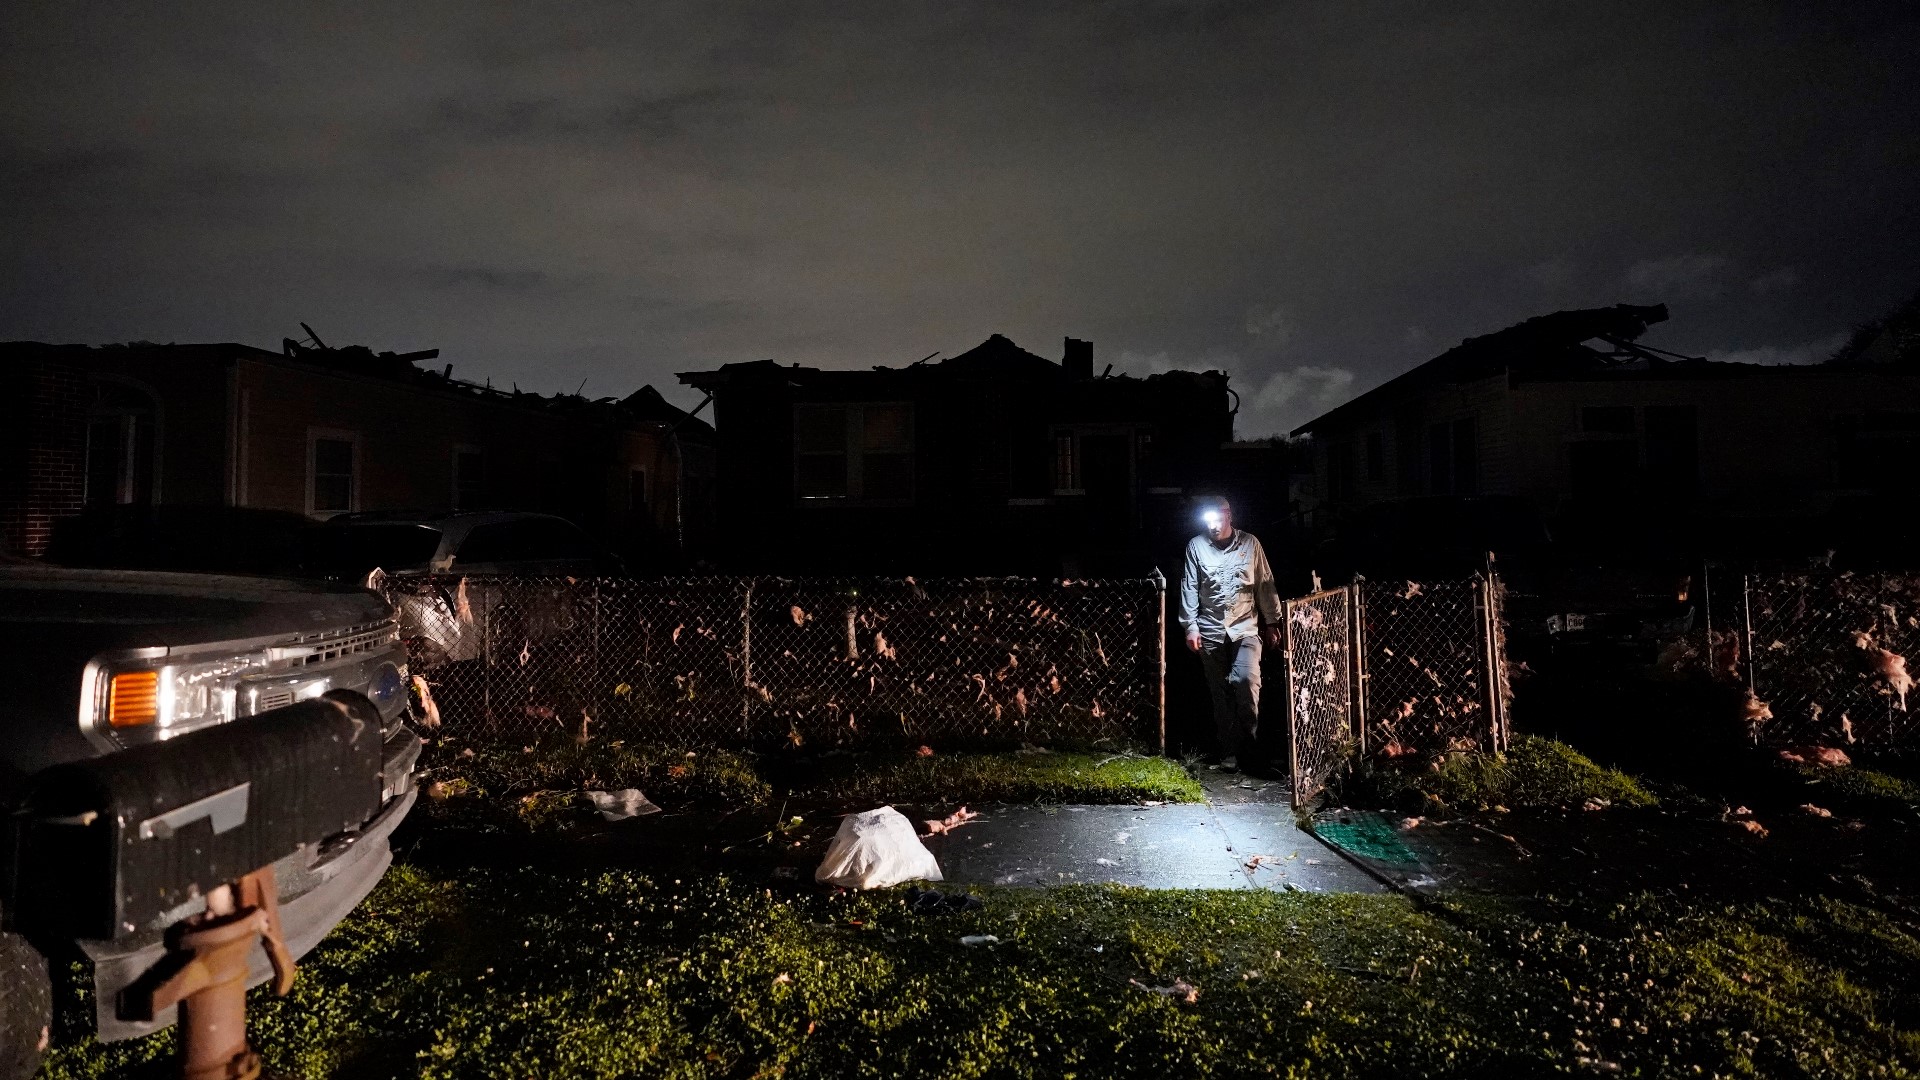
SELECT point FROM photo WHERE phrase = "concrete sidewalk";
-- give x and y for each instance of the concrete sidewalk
(1243, 837)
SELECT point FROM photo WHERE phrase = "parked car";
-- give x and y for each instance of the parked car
(188, 538)
(103, 666)
(490, 542)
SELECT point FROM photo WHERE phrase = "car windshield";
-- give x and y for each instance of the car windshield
(354, 550)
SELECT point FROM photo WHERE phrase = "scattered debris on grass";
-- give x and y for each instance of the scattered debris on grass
(1181, 990)
(621, 805)
(876, 849)
(474, 972)
(951, 822)
(1830, 757)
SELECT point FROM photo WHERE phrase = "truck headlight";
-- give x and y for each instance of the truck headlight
(137, 701)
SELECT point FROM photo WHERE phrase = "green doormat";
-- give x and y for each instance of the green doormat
(1369, 836)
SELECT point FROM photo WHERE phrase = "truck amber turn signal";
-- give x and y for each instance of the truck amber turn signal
(133, 699)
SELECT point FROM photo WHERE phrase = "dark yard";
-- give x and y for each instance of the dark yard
(1162, 538)
(519, 937)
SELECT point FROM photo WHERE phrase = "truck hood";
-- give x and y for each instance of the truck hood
(124, 609)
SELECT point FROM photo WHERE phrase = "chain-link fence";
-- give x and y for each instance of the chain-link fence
(1403, 670)
(1321, 650)
(1436, 673)
(1824, 654)
(802, 661)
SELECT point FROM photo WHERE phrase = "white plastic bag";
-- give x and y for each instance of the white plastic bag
(623, 804)
(874, 850)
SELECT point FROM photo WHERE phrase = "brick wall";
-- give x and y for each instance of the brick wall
(43, 450)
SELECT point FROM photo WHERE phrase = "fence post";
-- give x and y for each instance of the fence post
(1356, 666)
(1497, 660)
(1746, 624)
(746, 661)
(595, 691)
(1160, 657)
(1706, 614)
(1483, 601)
(1293, 727)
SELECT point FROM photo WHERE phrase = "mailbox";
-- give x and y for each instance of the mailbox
(122, 845)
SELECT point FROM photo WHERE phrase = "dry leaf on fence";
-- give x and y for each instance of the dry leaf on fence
(1892, 667)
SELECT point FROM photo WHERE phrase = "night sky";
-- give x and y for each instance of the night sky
(1311, 196)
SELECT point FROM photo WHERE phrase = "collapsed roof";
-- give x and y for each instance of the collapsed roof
(996, 359)
(1545, 346)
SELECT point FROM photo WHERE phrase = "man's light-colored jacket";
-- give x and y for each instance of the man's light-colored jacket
(1225, 592)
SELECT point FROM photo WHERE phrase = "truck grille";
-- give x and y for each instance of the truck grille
(321, 648)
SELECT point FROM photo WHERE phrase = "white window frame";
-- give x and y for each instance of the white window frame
(314, 435)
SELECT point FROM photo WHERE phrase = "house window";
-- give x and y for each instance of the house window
(1066, 477)
(820, 451)
(469, 478)
(886, 452)
(1607, 419)
(333, 466)
(122, 444)
(854, 452)
(1376, 457)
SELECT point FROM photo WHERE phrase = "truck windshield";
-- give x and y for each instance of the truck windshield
(350, 551)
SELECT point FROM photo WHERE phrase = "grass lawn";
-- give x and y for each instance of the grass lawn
(516, 788)
(1019, 777)
(468, 972)
(1535, 772)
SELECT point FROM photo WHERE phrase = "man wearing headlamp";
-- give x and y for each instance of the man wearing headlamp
(1228, 603)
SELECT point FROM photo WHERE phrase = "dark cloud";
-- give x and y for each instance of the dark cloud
(1311, 196)
(454, 277)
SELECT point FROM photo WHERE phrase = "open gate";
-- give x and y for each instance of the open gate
(1400, 669)
(1322, 650)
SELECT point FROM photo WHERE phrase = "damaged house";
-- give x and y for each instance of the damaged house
(121, 431)
(1619, 445)
(993, 461)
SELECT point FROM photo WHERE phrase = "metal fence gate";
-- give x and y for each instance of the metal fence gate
(1393, 670)
(1322, 647)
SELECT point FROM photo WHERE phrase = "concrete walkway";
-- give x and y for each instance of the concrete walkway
(1243, 837)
